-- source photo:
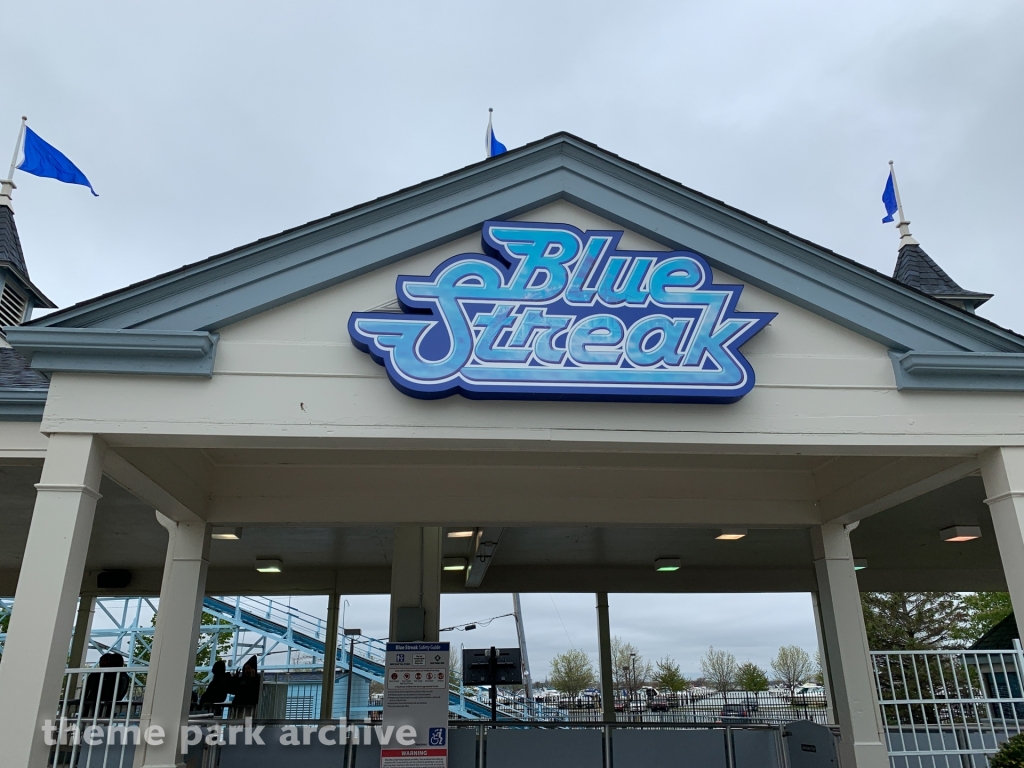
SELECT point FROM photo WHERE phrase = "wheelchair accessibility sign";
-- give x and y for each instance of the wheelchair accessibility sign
(438, 737)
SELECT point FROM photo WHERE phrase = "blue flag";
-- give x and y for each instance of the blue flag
(494, 147)
(42, 159)
(889, 199)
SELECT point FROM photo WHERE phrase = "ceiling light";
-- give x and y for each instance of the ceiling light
(226, 533)
(460, 534)
(667, 564)
(960, 533)
(268, 565)
(731, 534)
(454, 563)
(859, 564)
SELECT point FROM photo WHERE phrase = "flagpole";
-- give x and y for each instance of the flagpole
(7, 186)
(903, 225)
(17, 148)
(490, 130)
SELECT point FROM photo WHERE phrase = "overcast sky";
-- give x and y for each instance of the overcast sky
(204, 126)
(752, 627)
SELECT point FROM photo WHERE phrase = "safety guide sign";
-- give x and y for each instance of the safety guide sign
(416, 694)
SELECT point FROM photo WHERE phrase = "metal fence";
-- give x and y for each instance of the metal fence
(686, 707)
(946, 709)
(940, 709)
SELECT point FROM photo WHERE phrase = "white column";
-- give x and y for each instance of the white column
(330, 658)
(83, 626)
(48, 587)
(416, 582)
(80, 639)
(830, 712)
(1002, 470)
(846, 647)
(172, 663)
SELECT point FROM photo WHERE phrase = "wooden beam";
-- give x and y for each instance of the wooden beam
(172, 494)
(485, 543)
(893, 483)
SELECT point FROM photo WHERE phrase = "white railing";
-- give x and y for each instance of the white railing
(97, 722)
(949, 708)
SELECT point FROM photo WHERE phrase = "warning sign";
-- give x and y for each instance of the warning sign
(416, 694)
(418, 758)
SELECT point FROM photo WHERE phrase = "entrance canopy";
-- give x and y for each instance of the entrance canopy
(231, 391)
(590, 371)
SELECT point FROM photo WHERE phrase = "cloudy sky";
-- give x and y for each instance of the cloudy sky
(207, 125)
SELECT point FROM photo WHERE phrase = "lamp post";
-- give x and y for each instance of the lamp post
(632, 680)
(351, 635)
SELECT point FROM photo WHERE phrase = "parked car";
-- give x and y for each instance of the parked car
(657, 705)
(808, 695)
(735, 713)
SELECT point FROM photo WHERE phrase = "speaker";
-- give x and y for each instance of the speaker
(113, 579)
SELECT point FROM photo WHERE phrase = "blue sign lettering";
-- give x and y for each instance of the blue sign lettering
(550, 312)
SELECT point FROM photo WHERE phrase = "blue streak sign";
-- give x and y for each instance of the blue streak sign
(549, 312)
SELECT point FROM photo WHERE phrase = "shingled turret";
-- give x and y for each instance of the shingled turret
(916, 268)
(18, 296)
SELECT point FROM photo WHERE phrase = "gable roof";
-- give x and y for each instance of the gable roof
(22, 390)
(197, 299)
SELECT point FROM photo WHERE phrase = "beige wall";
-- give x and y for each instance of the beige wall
(292, 372)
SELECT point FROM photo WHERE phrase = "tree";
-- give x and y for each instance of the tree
(572, 672)
(984, 611)
(819, 672)
(669, 677)
(913, 621)
(454, 669)
(750, 677)
(792, 665)
(720, 669)
(214, 633)
(1010, 754)
(629, 669)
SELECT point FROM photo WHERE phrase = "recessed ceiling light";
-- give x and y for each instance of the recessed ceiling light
(859, 564)
(460, 534)
(667, 564)
(961, 533)
(226, 533)
(454, 563)
(268, 565)
(731, 534)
